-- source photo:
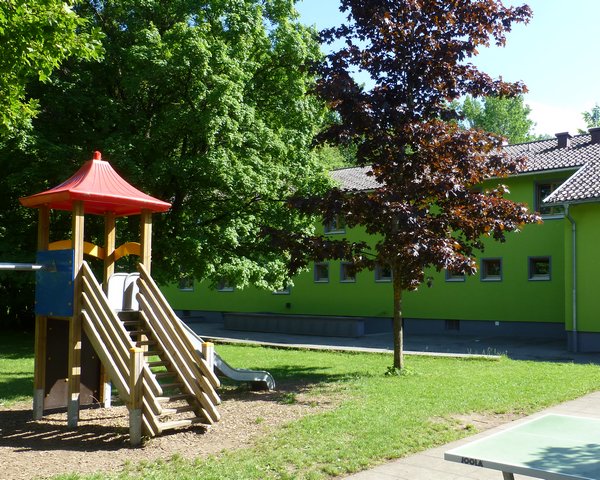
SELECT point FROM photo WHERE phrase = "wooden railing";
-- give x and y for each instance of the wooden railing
(197, 377)
(116, 350)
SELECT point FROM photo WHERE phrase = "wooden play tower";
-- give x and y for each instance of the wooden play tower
(87, 338)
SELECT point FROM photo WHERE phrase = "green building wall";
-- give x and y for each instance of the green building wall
(587, 221)
(514, 299)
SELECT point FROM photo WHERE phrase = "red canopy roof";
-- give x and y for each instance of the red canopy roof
(101, 190)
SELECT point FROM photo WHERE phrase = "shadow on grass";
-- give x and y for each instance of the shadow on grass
(16, 345)
(16, 388)
(290, 380)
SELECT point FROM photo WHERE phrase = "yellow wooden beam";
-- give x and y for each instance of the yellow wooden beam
(128, 248)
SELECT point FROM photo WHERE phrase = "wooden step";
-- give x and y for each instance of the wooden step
(131, 323)
(173, 411)
(179, 423)
(166, 386)
(159, 363)
(145, 342)
(165, 374)
(174, 398)
(136, 332)
(150, 353)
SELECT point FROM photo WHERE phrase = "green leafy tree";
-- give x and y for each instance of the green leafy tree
(505, 116)
(591, 118)
(425, 213)
(35, 38)
(205, 104)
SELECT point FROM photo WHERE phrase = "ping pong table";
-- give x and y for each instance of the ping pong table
(552, 447)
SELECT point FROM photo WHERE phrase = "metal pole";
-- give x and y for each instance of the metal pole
(20, 267)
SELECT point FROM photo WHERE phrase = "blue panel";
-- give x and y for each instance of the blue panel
(54, 283)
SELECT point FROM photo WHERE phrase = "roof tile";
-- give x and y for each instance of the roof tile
(540, 156)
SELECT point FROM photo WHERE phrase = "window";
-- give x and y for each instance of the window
(186, 284)
(454, 277)
(335, 225)
(452, 325)
(539, 268)
(383, 273)
(224, 286)
(283, 291)
(542, 190)
(491, 269)
(346, 273)
(322, 272)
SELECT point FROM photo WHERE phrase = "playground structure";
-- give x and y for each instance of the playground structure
(122, 333)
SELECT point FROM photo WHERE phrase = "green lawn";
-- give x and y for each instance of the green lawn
(379, 418)
(16, 367)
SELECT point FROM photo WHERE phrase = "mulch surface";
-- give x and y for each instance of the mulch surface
(45, 448)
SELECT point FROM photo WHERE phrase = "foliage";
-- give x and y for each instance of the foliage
(336, 156)
(205, 104)
(35, 39)
(426, 213)
(591, 118)
(507, 117)
(374, 417)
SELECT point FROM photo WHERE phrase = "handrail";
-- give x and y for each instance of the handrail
(112, 343)
(192, 370)
(175, 323)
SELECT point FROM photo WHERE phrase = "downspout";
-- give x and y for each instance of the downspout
(573, 273)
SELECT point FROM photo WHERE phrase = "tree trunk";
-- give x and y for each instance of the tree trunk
(398, 324)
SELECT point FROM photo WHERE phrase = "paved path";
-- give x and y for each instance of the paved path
(515, 348)
(430, 464)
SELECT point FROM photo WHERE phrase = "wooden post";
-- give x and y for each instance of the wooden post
(136, 392)
(41, 325)
(109, 269)
(75, 323)
(208, 352)
(109, 248)
(146, 239)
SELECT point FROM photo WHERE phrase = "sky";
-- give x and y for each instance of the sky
(555, 55)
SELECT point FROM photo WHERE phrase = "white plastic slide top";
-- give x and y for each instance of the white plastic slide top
(122, 291)
(116, 284)
(259, 379)
(130, 291)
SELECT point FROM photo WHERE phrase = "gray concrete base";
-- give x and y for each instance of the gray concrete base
(346, 326)
(200, 316)
(73, 413)
(587, 342)
(544, 330)
(135, 427)
(296, 324)
(38, 404)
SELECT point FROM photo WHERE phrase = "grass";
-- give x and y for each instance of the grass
(380, 416)
(16, 367)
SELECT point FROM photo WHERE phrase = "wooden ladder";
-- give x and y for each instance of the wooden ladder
(178, 387)
(178, 405)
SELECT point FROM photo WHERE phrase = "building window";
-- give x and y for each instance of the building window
(542, 190)
(335, 225)
(322, 272)
(539, 268)
(283, 291)
(186, 284)
(452, 325)
(491, 269)
(224, 286)
(347, 274)
(454, 276)
(383, 273)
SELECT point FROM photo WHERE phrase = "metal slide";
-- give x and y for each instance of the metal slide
(258, 379)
